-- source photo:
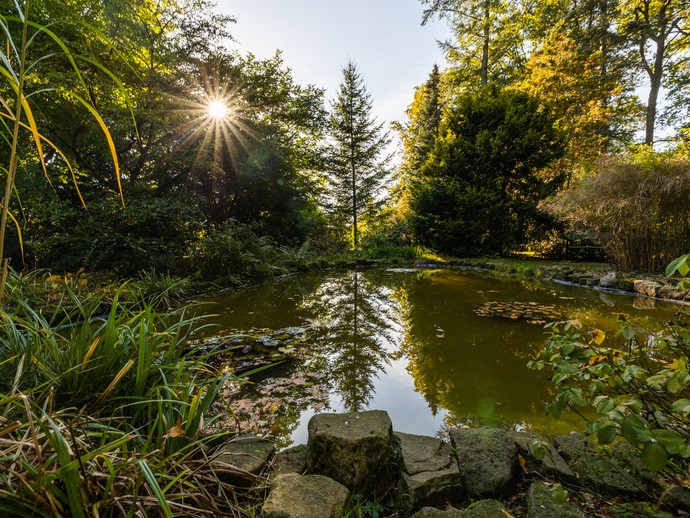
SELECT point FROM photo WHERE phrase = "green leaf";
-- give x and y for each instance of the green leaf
(628, 332)
(679, 264)
(606, 434)
(559, 495)
(654, 456)
(682, 406)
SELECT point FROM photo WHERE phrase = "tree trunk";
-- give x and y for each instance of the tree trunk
(655, 76)
(485, 47)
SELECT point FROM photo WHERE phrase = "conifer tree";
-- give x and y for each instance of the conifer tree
(358, 163)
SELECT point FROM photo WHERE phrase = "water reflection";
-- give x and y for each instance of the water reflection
(355, 322)
(413, 344)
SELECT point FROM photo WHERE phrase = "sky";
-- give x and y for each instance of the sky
(393, 52)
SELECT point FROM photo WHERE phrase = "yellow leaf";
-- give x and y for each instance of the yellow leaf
(175, 431)
(598, 336)
(597, 359)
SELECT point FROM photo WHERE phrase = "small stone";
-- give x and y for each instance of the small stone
(244, 459)
(488, 461)
(295, 496)
(292, 460)
(550, 465)
(541, 503)
(486, 509)
(432, 512)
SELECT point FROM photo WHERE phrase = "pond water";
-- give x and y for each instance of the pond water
(434, 348)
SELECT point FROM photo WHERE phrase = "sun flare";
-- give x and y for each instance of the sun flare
(217, 109)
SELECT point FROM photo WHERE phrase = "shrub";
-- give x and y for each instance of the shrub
(636, 206)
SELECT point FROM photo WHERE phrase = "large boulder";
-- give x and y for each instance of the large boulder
(242, 460)
(296, 496)
(356, 449)
(541, 458)
(488, 461)
(595, 471)
(542, 502)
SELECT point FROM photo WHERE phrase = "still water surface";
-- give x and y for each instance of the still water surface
(414, 343)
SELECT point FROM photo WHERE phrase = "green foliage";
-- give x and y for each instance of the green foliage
(233, 253)
(357, 166)
(635, 205)
(638, 384)
(480, 186)
(113, 409)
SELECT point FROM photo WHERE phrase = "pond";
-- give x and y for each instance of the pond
(434, 348)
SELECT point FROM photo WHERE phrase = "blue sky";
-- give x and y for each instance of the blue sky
(385, 38)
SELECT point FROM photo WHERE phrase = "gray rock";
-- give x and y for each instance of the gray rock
(646, 287)
(675, 498)
(485, 509)
(541, 504)
(672, 293)
(356, 449)
(243, 459)
(597, 472)
(488, 461)
(308, 496)
(551, 464)
(432, 512)
(610, 280)
(430, 474)
(292, 460)
(422, 453)
(430, 488)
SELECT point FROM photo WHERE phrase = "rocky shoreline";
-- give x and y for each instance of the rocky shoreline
(481, 472)
(649, 286)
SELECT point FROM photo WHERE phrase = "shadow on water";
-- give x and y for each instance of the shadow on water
(435, 348)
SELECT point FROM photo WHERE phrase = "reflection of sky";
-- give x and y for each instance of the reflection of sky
(394, 393)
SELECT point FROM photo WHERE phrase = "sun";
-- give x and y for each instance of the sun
(217, 109)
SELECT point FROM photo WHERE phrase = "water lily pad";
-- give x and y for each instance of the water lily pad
(532, 312)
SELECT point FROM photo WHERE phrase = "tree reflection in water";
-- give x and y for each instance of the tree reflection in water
(355, 320)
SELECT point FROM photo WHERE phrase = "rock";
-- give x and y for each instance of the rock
(294, 496)
(646, 287)
(488, 461)
(430, 473)
(243, 459)
(486, 509)
(550, 465)
(421, 453)
(610, 280)
(355, 449)
(542, 503)
(596, 472)
(675, 498)
(432, 512)
(628, 458)
(672, 293)
(292, 460)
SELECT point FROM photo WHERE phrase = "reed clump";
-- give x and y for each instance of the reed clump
(635, 205)
(104, 415)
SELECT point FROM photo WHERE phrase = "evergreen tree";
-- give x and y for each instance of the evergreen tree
(358, 164)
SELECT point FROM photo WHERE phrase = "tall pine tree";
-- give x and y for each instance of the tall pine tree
(358, 163)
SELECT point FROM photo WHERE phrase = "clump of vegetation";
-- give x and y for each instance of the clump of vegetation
(637, 382)
(104, 414)
(635, 205)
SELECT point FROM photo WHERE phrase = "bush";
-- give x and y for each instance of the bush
(636, 206)
(233, 254)
(479, 189)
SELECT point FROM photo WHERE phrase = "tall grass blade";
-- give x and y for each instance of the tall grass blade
(153, 484)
